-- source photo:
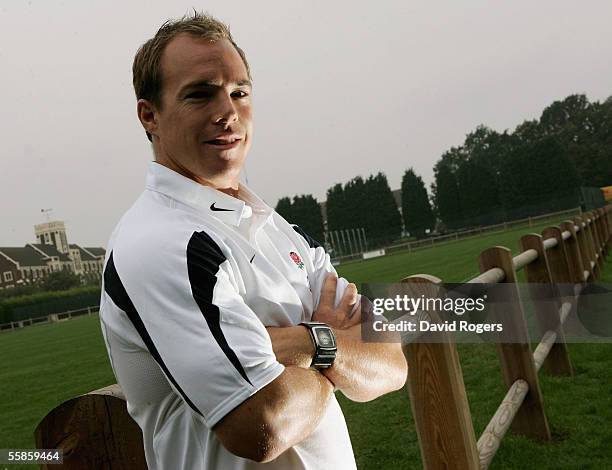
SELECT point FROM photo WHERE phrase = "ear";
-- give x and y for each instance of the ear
(147, 114)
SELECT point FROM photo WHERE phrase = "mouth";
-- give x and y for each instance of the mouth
(223, 143)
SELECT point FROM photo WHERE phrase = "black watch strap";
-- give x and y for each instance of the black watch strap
(324, 342)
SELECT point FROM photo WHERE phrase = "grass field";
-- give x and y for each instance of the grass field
(45, 365)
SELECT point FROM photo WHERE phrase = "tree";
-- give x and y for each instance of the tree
(538, 172)
(527, 131)
(583, 129)
(416, 209)
(336, 207)
(283, 207)
(357, 203)
(478, 193)
(367, 204)
(496, 174)
(60, 280)
(304, 211)
(445, 190)
(594, 162)
(479, 175)
(307, 214)
(380, 214)
(566, 119)
(482, 146)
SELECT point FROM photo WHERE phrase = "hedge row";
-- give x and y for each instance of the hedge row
(45, 303)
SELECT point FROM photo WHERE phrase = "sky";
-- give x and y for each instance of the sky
(341, 89)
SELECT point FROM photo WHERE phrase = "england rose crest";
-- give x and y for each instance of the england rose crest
(296, 259)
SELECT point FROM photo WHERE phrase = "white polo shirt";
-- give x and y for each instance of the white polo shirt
(191, 279)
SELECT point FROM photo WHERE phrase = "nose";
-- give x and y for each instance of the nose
(226, 111)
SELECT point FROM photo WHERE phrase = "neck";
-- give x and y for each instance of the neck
(230, 191)
(229, 186)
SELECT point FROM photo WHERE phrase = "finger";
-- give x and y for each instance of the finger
(354, 318)
(356, 312)
(328, 291)
(349, 298)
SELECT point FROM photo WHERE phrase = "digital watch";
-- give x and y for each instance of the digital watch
(324, 342)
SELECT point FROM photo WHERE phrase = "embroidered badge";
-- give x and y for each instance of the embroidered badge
(296, 259)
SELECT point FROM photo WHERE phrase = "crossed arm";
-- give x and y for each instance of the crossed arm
(362, 371)
(288, 409)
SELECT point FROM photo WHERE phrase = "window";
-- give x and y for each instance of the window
(8, 276)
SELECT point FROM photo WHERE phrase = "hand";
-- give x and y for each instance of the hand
(337, 317)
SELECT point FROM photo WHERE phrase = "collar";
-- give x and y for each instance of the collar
(205, 199)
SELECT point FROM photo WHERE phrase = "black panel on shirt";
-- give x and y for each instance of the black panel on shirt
(311, 241)
(203, 260)
(116, 291)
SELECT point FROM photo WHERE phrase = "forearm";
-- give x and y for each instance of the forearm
(292, 345)
(299, 405)
(280, 415)
(364, 371)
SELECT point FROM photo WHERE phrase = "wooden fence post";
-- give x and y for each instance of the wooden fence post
(437, 396)
(608, 223)
(589, 245)
(572, 250)
(599, 225)
(584, 250)
(608, 219)
(596, 242)
(595, 229)
(538, 274)
(604, 229)
(517, 357)
(593, 243)
(94, 431)
(598, 228)
(557, 256)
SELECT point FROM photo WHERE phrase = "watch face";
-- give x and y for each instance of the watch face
(325, 338)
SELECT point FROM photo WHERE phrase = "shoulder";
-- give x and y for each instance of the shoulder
(294, 231)
(153, 237)
(312, 243)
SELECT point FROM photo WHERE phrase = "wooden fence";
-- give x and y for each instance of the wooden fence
(571, 253)
(430, 242)
(96, 428)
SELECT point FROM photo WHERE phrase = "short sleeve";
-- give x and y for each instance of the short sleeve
(183, 302)
(321, 267)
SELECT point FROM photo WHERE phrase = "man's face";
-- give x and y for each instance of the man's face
(204, 127)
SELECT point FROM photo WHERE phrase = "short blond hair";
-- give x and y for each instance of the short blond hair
(146, 69)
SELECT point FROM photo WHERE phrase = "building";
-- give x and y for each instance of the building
(52, 252)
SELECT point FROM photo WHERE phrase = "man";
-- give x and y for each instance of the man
(205, 286)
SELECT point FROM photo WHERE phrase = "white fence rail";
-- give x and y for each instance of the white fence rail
(51, 318)
(431, 241)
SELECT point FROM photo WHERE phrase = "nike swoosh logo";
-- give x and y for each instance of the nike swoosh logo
(218, 209)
